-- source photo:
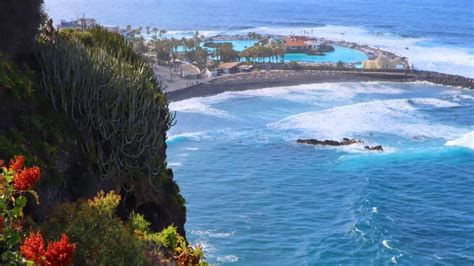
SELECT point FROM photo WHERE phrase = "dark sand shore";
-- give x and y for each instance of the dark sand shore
(279, 78)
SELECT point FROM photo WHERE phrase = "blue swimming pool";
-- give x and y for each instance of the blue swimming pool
(343, 54)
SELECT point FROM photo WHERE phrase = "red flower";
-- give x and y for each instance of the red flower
(33, 248)
(60, 253)
(26, 178)
(17, 163)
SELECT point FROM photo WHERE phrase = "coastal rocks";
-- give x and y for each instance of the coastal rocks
(334, 143)
(374, 148)
(344, 142)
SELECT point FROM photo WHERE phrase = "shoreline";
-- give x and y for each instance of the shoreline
(281, 78)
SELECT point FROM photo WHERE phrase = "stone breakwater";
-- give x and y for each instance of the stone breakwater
(278, 78)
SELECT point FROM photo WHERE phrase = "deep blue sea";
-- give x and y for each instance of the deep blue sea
(256, 197)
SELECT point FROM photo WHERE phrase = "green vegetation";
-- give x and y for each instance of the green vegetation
(86, 105)
(114, 100)
(225, 52)
(29, 125)
(103, 239)
(16, 81)
(264, 53)
(17, 183)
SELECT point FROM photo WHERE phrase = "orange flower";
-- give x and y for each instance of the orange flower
(17, 163)
(60, 253)
(26, 178)
(33, 248)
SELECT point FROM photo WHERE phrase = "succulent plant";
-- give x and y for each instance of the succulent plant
(116, 103)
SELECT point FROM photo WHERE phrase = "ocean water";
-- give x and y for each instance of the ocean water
(435, 34)
(256, 197)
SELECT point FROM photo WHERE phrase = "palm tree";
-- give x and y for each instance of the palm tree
(155, 34)
(162, 33)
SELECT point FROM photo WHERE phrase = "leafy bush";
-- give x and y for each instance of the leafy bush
(101, 237)
(186, 255)
(138, 223)
(168, 238)
(16, 183)
(18, 83)
(117, 104)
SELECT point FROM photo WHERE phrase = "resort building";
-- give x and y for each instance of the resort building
(82, 23)
(297, 44)
(384, 62)
(229, 68)
(189, 71)
(303, 44)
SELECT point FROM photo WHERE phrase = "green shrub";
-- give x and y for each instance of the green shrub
(168, 238)
(101, 237)
(117, 104)
(138, 223)
(18, 83)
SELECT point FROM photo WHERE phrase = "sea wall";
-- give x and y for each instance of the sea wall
(274, 77)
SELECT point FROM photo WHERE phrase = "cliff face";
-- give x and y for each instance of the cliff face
(50, 139)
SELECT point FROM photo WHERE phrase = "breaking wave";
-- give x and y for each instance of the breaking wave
(393, 117)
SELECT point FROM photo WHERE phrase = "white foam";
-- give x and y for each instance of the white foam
(467, 140)
(174, 164)
(299, 93)
(191, 135)
(227, 259)
(386, 244)
(394, 260)
(212, 233)
(331, 91)
(461, 97)
(375, 210)
(434, 102)
(434, 57)
(396, 117)
(197, 105)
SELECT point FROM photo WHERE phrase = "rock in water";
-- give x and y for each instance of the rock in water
(374, 148)
(344, 142)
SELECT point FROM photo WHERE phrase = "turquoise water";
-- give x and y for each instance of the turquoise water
(255, 197)
(239, 45)
(342, 54)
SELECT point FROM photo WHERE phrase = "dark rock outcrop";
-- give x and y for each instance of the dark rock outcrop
(344, 142)
(374, 148)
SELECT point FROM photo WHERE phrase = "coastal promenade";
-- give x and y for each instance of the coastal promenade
(278, 78)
